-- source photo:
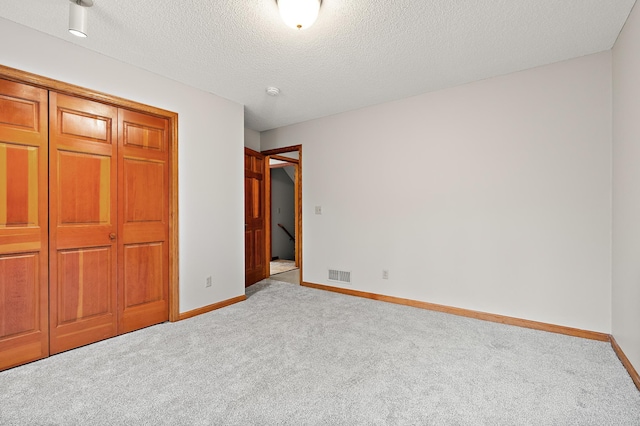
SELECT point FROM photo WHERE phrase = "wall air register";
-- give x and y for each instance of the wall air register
(339, 276)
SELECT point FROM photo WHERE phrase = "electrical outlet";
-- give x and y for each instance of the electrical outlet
(209, 281)
(385, 274)
(318, 209)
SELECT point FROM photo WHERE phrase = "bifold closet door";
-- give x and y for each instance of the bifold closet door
(83, 221)
(143, 220)
(24, 333)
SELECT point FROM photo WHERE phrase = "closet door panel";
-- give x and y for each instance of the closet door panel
(18, 304)
(23, 224)
(83, 240)
(143, 274)
(143, 212)
(84, 284)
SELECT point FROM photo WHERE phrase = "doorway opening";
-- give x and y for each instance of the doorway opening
(283, 213)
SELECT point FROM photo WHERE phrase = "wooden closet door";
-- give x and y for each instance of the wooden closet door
(24, 334)
(143, 220)
(83, 221)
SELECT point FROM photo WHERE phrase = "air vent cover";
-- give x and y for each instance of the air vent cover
(339, 276)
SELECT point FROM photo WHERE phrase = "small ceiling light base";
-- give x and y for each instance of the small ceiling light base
(78, 17)
(273, 91)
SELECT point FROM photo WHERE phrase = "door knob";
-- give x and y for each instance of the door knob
(112, 236)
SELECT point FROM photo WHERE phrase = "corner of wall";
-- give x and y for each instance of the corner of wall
(252, 139)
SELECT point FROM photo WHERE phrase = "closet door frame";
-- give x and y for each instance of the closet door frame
(73, 90)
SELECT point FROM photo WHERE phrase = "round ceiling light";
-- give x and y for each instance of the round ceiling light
(273, 91)
(299, 14)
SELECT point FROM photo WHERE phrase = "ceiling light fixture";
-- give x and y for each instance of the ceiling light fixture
(299, 14)
(273, 91)
(78, 17)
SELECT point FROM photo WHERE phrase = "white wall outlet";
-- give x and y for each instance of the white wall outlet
(318, 209)
(209, 281)
(385, 274)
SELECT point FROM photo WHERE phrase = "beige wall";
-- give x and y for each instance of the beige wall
(252, 139)
(209, 153)
(493, 196)
(626, 189)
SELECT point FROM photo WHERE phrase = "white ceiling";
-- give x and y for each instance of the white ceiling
(359, 52)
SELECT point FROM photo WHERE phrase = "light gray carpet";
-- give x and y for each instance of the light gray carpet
(291, 355)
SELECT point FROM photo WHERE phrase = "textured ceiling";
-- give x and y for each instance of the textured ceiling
(359, 52)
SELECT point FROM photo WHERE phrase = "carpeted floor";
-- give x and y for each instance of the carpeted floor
(291, 355)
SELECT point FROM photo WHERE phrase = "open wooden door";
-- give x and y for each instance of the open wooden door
(24, 334)
(254, 217)
(83, 224)
(143, 224)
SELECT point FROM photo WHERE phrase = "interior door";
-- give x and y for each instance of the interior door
(83, 224)
(143, 211)
(254, 217)
(24, 334)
